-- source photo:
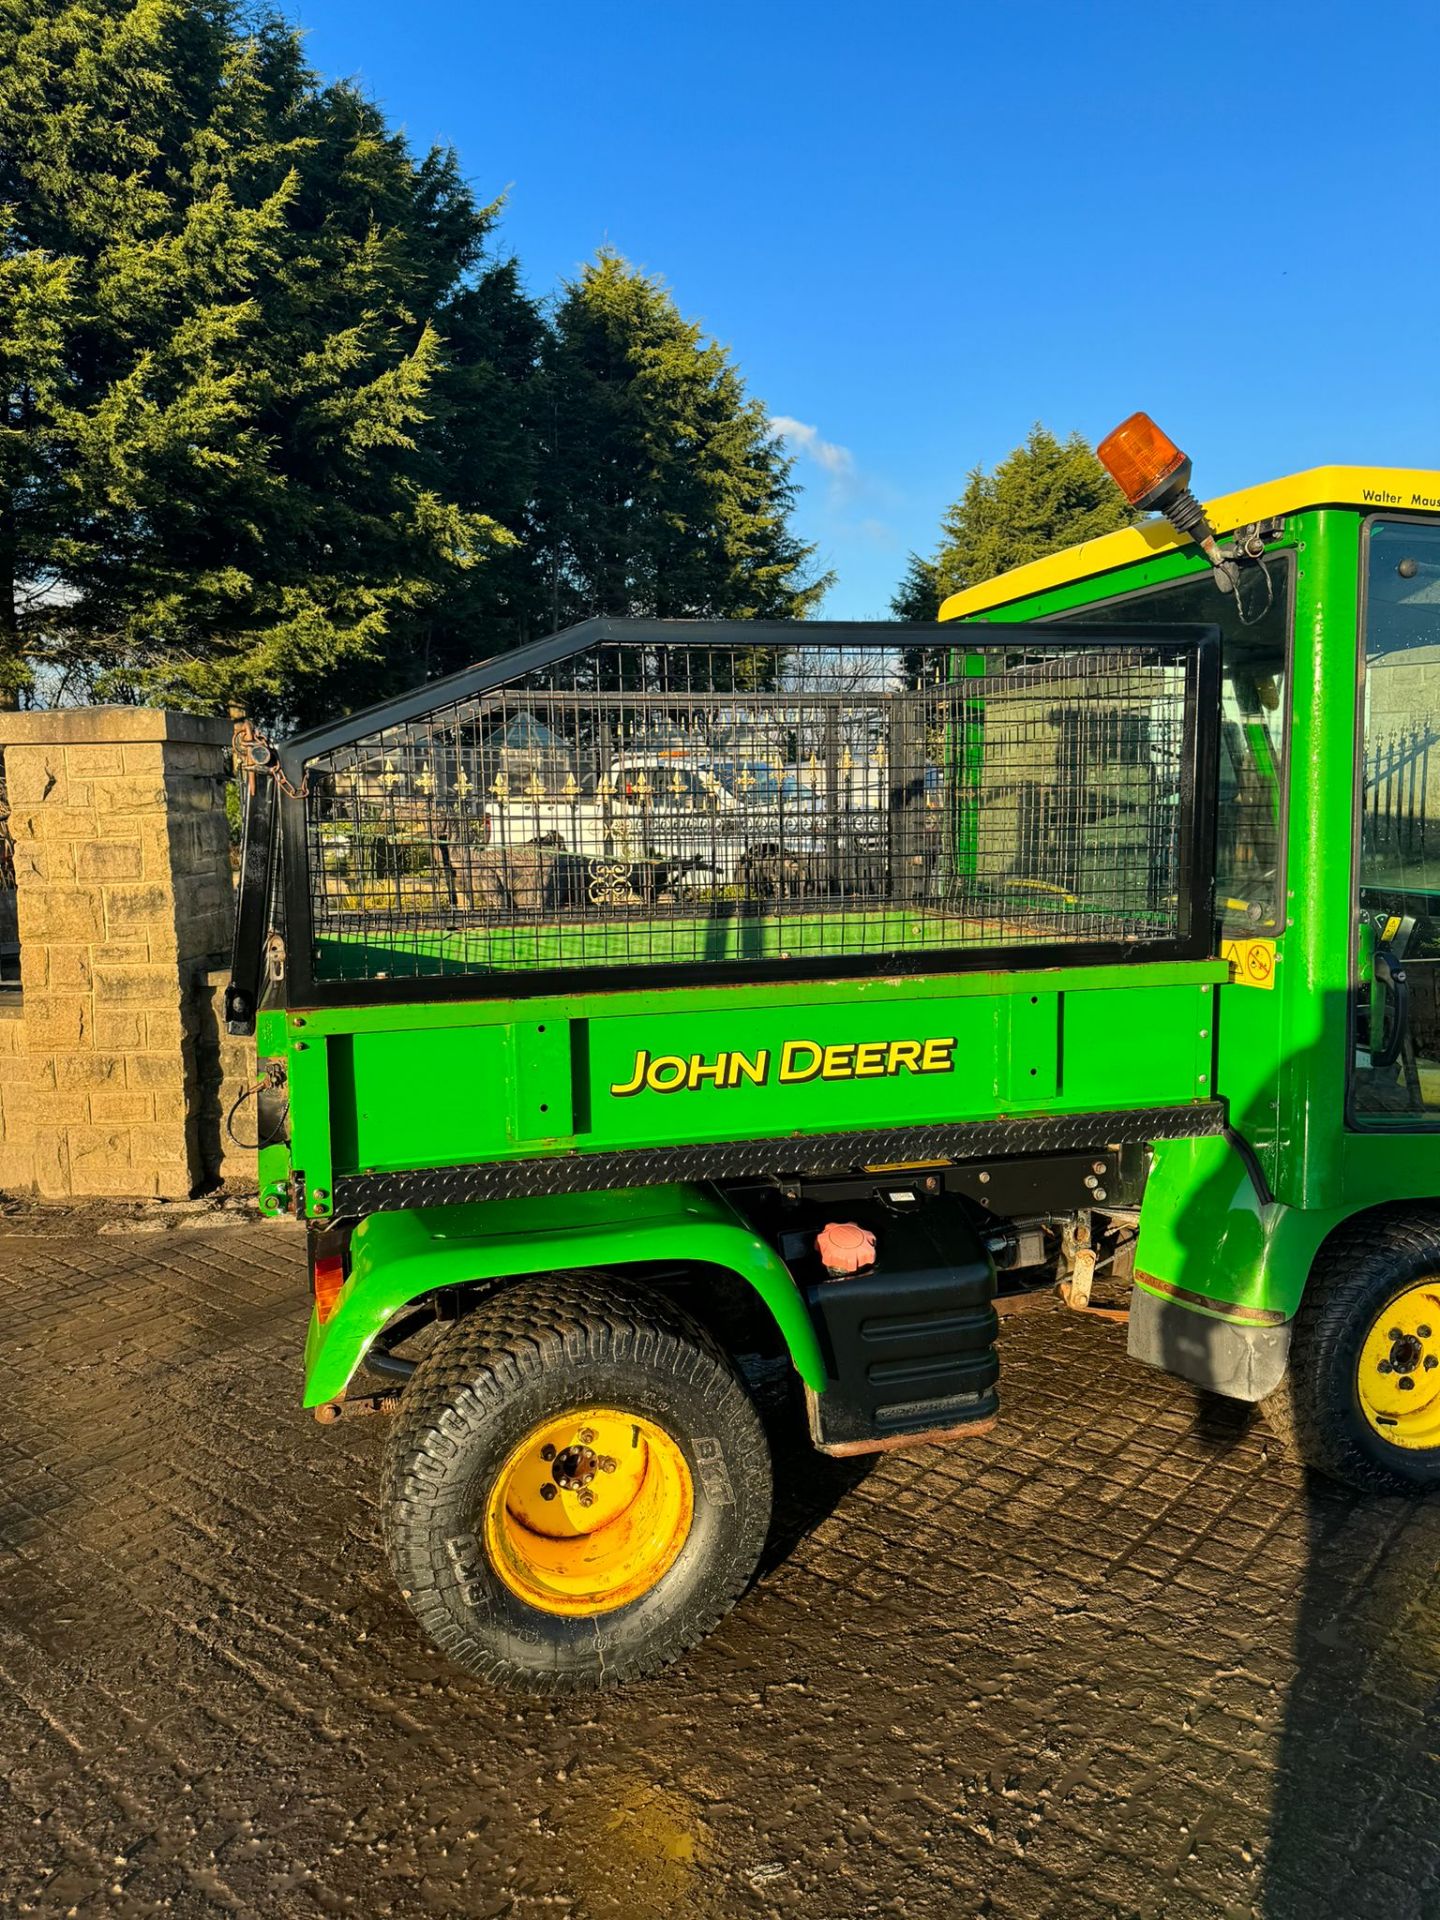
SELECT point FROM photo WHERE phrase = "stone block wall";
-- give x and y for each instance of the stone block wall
(17, 1160)
(226, 1068)
(124, 894)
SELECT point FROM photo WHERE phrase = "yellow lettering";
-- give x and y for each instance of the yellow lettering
(642, 1060)
(839, 1062)
(869, 1059)
(754, 1070)
(903, 1053)
(699, 1071)
(673, 1067)
(792, 1048)
(936, 1057)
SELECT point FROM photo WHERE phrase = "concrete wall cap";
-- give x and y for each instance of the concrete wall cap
(76, 726)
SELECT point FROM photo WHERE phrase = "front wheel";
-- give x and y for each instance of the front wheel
(576, 1486)
(1361, 1402)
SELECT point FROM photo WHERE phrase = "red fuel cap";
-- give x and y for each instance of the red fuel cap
(845, 1247)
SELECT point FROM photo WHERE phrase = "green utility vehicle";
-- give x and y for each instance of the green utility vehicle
(666, 994)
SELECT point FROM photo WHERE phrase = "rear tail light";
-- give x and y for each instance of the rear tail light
(328, 1277)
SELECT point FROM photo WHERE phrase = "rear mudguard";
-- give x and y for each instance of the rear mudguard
(397, 1257)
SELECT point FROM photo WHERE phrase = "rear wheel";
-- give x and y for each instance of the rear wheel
(576, 1486)
(1362, 1399)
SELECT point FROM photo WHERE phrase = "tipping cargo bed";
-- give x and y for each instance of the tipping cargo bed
(730, 801)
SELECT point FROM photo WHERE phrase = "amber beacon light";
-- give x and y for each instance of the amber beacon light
(1154, 475)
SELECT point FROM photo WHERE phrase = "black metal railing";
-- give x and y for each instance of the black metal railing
(1396, 820)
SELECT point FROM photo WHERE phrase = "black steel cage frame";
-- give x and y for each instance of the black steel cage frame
(276, 827)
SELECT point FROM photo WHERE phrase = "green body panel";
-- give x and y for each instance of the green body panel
(1205, 1229)
(1282, 1054)
(396, 1257)
(381, 1089)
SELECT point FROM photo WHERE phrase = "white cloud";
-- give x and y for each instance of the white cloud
(834, 459)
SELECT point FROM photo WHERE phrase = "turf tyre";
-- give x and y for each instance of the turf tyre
(1316, 1411)
(529, 1353)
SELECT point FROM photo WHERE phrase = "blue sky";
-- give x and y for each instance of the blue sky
(922, 227)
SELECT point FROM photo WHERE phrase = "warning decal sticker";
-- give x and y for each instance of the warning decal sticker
(1252, 962)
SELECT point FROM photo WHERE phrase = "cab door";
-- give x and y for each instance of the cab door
(1395, 1081)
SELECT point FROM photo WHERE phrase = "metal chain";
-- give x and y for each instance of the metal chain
(259, 755)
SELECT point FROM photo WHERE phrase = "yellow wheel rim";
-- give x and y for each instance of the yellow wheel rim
(1399, 1371)
(589, 1511)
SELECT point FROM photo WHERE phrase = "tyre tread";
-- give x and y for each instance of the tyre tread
(1309, 1412)
(491, 1354)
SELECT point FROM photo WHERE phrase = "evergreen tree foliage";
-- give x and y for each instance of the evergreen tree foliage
(244, 336)
(918, 595)
(278, 431)
(488, 416)
(1047, 495)
(663, 490)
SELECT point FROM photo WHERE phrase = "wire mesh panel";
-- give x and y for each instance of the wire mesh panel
(694, 802)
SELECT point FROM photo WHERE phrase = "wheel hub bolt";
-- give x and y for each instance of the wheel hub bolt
(607, 1464)
(549, 1490)
(585, 1497)
(1422, 1333)
(1404, 1383)
(574, 1468)
(586, 1436)
(547, 1453)
(1383, 1366)
(1405, 1353)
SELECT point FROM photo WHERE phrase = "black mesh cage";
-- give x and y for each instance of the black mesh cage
(702, 800)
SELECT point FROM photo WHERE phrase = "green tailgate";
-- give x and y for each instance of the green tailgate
(384, 1089)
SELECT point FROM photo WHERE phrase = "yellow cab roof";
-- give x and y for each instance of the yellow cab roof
(1405, 489)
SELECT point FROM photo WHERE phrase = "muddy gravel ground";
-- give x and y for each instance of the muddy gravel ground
(1118, 1659)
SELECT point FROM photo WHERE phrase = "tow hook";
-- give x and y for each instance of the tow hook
(1075, 1291)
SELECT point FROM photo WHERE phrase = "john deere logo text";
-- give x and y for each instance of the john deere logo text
(796, 1061)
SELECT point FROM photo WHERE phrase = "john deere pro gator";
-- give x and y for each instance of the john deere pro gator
(666, 993)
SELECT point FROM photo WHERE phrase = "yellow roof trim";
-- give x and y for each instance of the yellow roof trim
(1405, 489)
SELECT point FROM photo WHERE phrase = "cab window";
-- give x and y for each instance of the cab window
(1254, 651)
(1397, 1060)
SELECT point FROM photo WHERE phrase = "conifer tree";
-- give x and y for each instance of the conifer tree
(663, 490)
(230, 466)
(1046, 495)
(918, 595)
